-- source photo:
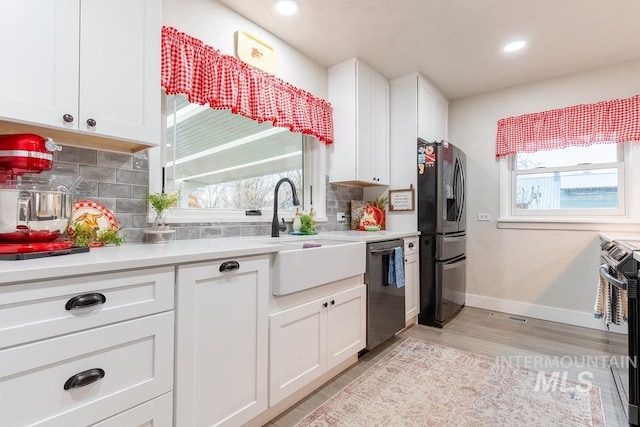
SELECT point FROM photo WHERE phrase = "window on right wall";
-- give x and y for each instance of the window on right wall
(573, 181)
(573, 164)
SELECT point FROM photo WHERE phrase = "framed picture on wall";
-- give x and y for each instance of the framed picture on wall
(402, 200)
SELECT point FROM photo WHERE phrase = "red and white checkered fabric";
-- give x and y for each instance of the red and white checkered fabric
(208, 77)
(612, 121)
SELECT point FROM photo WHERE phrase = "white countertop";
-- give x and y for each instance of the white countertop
(141, 255)
(366, 236)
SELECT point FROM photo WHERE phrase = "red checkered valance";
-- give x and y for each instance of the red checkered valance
(612, 121)
(206, 76)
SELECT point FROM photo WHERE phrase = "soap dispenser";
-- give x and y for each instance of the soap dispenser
(297, 224)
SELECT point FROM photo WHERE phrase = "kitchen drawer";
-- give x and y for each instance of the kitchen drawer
(37, 310)
(411, 245)
(136, 358)
(157, 413)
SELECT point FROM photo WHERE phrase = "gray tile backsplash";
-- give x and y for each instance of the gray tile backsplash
(121, 182)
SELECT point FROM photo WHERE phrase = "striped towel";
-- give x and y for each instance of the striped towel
(611, 303)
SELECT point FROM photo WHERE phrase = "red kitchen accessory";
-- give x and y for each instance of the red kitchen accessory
(25, 153)
(34, 211)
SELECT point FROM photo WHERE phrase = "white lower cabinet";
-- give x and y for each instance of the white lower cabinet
(87, 349)
(221, 341)
(311, 338)
(155, 413)
(412, 277)
(82, 378)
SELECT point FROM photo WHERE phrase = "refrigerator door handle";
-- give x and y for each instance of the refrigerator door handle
(460, 184)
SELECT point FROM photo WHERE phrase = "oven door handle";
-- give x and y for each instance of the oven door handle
(604, 273)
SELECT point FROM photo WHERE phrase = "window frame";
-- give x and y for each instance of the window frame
(572, 219)
(314, 176)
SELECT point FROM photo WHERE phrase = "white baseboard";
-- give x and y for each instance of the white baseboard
(554, 314)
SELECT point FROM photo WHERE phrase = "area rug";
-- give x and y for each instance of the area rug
(425, 384)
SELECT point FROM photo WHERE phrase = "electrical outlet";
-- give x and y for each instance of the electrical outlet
(484, 217)
(340, 217)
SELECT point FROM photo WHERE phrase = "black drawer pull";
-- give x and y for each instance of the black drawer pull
(84, 378)
(85, 300)
(229, 266)
(333, 302)
(411, 245)
(325, 305)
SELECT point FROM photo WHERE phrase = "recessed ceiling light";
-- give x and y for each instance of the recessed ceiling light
(514, 46)
(287, 7)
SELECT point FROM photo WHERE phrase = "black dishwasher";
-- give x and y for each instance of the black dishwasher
(385, 300)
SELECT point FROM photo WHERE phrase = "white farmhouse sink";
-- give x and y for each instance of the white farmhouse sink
(296, 268)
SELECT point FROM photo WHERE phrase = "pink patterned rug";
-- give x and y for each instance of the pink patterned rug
(424, 384)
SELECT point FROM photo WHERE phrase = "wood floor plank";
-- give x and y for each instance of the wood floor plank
(494, 335)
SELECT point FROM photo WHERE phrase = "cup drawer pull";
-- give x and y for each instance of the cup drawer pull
(84, 378)
(229, 266)
(85, 300)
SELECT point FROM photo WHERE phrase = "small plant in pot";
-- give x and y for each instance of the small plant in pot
(84, 235)
(160, 202)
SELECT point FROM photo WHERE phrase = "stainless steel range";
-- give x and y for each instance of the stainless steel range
(619, 269)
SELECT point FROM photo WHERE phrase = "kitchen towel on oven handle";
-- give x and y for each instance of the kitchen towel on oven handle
(611, 300)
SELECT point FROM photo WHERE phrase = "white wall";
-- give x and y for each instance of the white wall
(539, 273)
(216, 25)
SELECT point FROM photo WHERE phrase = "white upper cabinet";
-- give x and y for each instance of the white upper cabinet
(93, 69)
(417, 109)
(360, 99)
(432, 112)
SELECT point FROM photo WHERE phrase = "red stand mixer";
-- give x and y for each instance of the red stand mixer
(34, 211)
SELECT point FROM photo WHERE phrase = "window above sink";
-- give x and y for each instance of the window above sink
(224, 164)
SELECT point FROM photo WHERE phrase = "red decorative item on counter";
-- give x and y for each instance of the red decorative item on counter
(371, 216)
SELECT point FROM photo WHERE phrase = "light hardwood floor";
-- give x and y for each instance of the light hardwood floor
(496, 335)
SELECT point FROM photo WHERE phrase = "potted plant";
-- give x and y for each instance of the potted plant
(84, 235)
(160, 202)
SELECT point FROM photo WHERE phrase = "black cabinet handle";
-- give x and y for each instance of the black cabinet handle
(325, 305)
(91, 123)
(333, 302)
(84, 378)
(229, 266)
(85, 300)
(411, 245)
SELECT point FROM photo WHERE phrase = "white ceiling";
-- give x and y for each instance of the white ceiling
(457, 44)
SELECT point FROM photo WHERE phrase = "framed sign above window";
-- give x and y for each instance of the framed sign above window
(255, 52)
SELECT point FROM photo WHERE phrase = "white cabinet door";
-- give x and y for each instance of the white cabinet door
(307, 340)
(432, 112)
(40, 60)
(298, 348)
(380, 130)
(412, 277)
(221, 341)
(360, 99)
(120, 69)
(347, 326)
(94, 69)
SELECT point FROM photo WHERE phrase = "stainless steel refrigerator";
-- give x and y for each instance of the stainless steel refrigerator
(442, 223)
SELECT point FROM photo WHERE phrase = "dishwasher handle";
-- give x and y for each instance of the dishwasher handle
(381, 251)
(604, 273)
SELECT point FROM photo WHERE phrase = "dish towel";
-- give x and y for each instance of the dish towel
(396, 268)
(611, 303)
